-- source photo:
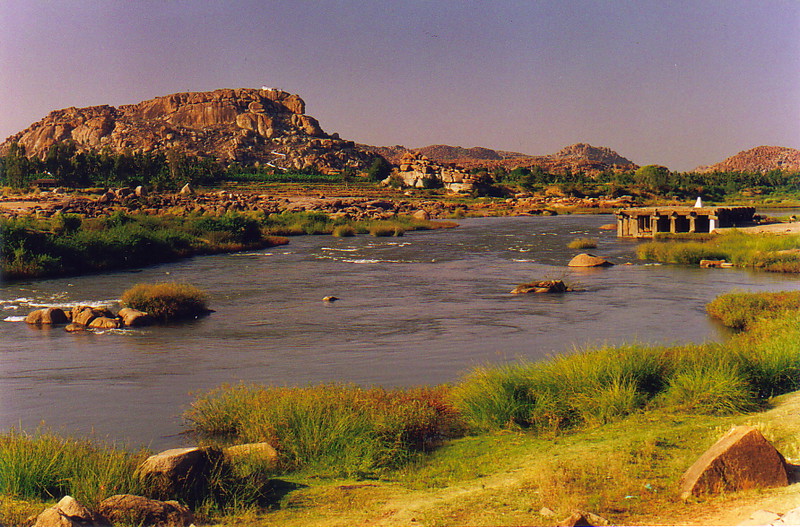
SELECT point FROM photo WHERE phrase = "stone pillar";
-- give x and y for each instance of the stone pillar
(692, 222)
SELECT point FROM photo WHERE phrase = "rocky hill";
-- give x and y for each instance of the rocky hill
(580, 157)
(245, 125)
(758, 159)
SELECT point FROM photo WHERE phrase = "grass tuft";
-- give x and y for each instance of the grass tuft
(167, 301)
(582, 243)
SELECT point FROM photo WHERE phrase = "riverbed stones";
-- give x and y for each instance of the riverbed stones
(69, 513)
(178, 472)
(134, 318)
(138, 510)
(49, 315)
(589, 260)
(542, 286)
(105, 323)
(742, 459)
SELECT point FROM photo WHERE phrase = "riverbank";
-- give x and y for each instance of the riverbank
(624, 466)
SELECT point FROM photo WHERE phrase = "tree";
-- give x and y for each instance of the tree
(17, 168)
(379, 169)
(654, 177)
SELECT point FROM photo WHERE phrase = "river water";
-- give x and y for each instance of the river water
(424, 308)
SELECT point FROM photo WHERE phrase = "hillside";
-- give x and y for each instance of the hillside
(580, 157)
(759, 159)
(245, 125)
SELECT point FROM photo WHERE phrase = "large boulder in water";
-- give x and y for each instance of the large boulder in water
(589, 260)
(133, 317)
(50, 315)
(742, 459)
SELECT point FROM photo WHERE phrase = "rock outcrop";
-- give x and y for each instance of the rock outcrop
(417, 171)
(178, 472)
(589, 260)
(759, 159)
(542, 286)
(267, 126)
(742, 459)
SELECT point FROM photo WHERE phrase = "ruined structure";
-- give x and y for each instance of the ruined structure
(646, 222)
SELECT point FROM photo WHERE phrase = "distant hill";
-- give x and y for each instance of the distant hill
(246, 125)
(580, 157)
(758, 159)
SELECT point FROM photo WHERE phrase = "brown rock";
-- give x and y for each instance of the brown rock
(262, 452)
(589, 260)
(69, 513)
(138, 510)
(50, 315)
(741, 459)
(72, 328)
(105, 323)
(584, 519)
(542, 286)
(178, 472)
(134, 318)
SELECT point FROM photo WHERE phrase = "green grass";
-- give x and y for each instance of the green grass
(768, 252)
(46, 466)
(582, 243)
(742, 309)
(330, 429)
(167, 301)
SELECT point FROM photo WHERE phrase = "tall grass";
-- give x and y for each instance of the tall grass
(582, 243)
(768, 252)
(45, 466)
(336, 429)
(742, 309)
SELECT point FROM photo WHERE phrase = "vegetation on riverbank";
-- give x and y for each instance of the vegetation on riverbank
(766, 252)
(69, 244)
(507, 439)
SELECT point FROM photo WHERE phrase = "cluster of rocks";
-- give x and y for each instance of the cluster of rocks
(542, 286)
(265, 125)
(81, 318)
(417, 171)
(179, 472)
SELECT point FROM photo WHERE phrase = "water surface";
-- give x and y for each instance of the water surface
(420, 309)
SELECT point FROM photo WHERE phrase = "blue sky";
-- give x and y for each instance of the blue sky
(679, 83)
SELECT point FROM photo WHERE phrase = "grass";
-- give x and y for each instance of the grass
(330, 429)
(167, 301)
(767, 252)
(742, 309)
(582, 243)
(67, 244)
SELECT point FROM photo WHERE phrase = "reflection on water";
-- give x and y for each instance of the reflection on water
(420, 309)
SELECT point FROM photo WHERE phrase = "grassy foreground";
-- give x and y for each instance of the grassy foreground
(608, 430)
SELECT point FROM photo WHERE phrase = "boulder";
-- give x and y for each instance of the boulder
(133, 317)
(49, 315)
(73, 328)
(259, 452)
(105, 323)
(421, 215)
(138, 510)
(186, 189)
(742, 459)
(542, 286)
(583, 519)
(178, 472)
(589, 260)
(69, 513)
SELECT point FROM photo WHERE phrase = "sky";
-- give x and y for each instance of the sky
(674, 82)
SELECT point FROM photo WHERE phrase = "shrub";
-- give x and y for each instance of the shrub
(342, 231)
(582, 243)
(167, 301)
(741, 309)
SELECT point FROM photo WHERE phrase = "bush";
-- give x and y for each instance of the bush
(342, 231)
(740, 309)
(167, 301)
(582, 243)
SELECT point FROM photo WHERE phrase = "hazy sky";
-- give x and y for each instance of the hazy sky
(680, 83)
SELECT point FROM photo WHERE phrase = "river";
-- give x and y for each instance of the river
(424, 308)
